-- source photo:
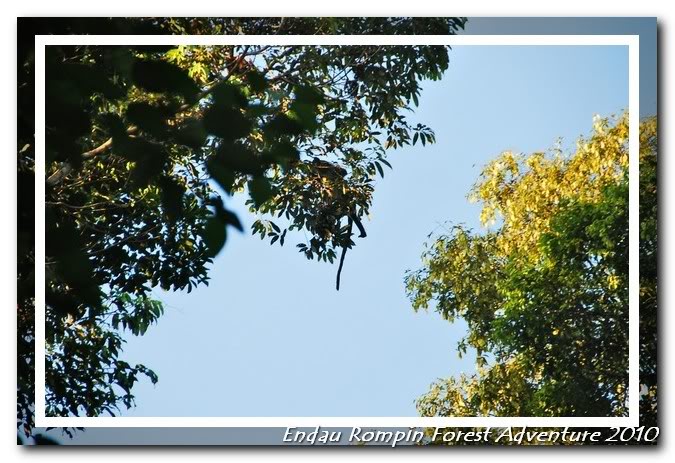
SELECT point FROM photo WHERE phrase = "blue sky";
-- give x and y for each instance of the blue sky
(293, 346)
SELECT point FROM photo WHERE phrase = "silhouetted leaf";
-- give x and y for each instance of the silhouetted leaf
(150, 165)
(282, 153)
(214, 235)
(221, 174)
(305, 115)
(162, 77)
(260, 190)
(191, 133)
(136, 148)
(257, 110)
(227, 123)
(230, 218)
(64, 125)
(149, 118)
(283, 125)
(308, 95)
(121, 59)
(172, 197)
(64, 245)
(89, 79)
(256, 81)
(115, 125)
(238, 158)
(379, 169)
(150, 158)
(228, 95)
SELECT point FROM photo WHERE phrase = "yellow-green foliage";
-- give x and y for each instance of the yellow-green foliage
(544, 290)
(524, 190)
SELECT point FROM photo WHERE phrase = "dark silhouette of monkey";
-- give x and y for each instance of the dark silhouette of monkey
(336, 174)
(328, 169)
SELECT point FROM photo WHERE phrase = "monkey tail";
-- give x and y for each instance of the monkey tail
(342, 259)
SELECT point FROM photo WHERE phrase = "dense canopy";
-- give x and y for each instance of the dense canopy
(144, 144)
(544, 290)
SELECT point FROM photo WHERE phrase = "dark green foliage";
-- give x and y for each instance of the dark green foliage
(136, 134)
(162, 77)
(226, 123)
(149, 118)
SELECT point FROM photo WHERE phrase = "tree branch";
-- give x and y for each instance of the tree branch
(67, 168)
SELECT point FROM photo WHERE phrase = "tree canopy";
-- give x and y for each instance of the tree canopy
(144, 144)
(544, 290)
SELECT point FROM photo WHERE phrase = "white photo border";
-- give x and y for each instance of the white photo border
(632, 41)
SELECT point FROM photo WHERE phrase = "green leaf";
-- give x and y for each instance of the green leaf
(283, 125)
(115, 126)
(257, 110)
(305, 115)
(214, 235)
(172, 197)
(191, 133)
(379, 169)
(121, 59)
(228, 95)
(260, 190)
(230, 218)
(256, 81)
(308, 95)
(227, 123)
(65, 245)
(227, 217)
(134, 149)
(150, 158)
(89, 80)
(282, 153)
(238, 158)
(221, 174)
(148, 118)
(163, 77)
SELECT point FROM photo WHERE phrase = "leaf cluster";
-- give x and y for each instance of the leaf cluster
(545, 293)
